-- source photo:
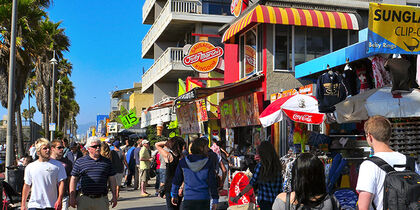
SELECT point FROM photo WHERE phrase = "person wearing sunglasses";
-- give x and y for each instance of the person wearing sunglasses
(45, 179)
(94, 172)
(57, 153)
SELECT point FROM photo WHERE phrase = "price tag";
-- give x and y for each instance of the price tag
(129, 120)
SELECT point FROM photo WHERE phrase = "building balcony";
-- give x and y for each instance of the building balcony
(167, 68)
(176, 18)
(148, 13)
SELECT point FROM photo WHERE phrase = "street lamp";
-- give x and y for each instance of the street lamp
(54, 62)
(59, 82)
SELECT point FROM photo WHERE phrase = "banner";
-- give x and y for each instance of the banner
(393, 29)
(188, 119)
(241, 111)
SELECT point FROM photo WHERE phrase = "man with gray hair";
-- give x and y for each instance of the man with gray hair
(45, 178)
(95, 172)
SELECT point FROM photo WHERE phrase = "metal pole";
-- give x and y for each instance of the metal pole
(10, 97)
(53, 61)
(59, 98)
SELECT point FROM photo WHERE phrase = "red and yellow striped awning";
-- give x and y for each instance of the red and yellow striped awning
(292, 16)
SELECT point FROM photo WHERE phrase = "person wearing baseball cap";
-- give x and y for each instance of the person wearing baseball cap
(145, 160)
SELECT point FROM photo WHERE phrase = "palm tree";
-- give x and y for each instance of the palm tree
(55, 40)
(29, 14)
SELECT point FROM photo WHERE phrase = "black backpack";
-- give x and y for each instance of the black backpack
(401, 188)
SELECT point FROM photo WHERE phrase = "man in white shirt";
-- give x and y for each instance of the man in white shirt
(45, 178)
(371, 178)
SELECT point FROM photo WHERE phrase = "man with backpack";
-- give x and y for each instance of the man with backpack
(385, 167)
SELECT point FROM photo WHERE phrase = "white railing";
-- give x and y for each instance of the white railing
(147, 7)
(164, 19)
(170, 59)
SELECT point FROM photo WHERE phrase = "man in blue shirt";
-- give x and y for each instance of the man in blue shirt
(95, 172)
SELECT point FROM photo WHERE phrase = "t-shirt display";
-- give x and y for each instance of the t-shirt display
(399, 71)
(331, 90)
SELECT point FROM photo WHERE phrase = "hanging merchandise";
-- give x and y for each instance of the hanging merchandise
(331, 90)
(350, 80)
(287, 165)
(381, 76)
(400, 75)
(418, 70)
(363, 77)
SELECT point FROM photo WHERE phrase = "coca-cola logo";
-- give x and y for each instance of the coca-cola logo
(250, 60)
(302, 118)
(233, 5)
(203, 56)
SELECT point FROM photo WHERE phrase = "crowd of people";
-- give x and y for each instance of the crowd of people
(81, 176)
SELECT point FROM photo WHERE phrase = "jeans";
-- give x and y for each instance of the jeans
(196, 205)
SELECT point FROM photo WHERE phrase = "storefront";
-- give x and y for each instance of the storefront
(376, 76)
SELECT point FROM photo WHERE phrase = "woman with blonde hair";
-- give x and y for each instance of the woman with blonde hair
(105, 151)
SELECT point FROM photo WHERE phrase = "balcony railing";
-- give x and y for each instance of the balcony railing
(147, 7)
(170, 59)
(164, 18)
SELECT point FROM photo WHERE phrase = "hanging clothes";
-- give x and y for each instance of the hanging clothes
(350, 80)
(381, 76)
(287, 163)
(330, 91)
(363, 78)
(418, 70)
(400, 75)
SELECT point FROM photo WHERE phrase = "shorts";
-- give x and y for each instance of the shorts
(118, 178)
(161, 174)
(143, 175)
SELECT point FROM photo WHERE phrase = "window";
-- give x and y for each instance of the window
(300, 45)
(282, 47)
(317, 42)
(339, 39)
(249, 53)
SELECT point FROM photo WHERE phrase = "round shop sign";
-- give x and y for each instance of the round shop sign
(236, 7)
(249, 60)
(203, 57)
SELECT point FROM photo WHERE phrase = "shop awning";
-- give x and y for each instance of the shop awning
(199, 93)
(292, 16)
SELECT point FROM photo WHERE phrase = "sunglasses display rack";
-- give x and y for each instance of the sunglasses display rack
(405, 136)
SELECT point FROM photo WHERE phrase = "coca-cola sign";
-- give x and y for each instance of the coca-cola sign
(302, 118)
(203, 57)
(305, 117)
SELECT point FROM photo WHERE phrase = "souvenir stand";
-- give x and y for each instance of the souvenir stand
(376, 76)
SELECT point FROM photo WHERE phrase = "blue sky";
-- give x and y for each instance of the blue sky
(105, 50)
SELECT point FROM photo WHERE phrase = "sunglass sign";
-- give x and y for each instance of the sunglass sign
(393, 29)
(203, 57)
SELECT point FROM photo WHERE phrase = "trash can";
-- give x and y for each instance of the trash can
(16, 175)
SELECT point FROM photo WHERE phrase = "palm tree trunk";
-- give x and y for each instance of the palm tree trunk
(19, 132)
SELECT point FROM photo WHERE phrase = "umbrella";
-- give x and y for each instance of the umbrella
(378, 101)
(299, 108)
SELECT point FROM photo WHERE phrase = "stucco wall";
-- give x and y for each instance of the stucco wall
(163, 90)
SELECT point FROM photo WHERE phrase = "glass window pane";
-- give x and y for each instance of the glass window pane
(339, 39)
(354, 37)
(283, 47)
(250, 52)
(317, 43)
(300, 34)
